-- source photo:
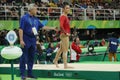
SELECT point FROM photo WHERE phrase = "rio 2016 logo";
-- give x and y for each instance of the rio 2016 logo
(61, 74)
(58, 74)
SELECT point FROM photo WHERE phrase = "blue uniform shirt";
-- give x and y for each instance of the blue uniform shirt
(49, 51)
(27, 22)
(113, 45)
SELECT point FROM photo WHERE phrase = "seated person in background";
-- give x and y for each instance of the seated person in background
(49, 52)
(38, 46)
(112, 47)
(42, 46)
(96, 42)
(60, 60)
(87, 43)
(75, 47)
(39, 50)
(102, 43)
(57, 47)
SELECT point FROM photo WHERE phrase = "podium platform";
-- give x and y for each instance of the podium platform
(87, 71)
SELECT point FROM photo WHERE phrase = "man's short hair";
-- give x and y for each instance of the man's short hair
(31, 6)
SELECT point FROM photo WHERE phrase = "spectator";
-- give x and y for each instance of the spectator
(96, 42)
(102, 43)
(76, 47)
(87, 43)
(49, 52)
(39, 50)
(14, 13)
(52, 4)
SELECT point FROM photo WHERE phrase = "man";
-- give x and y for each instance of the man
(112, 47)
(29, 25)
(76, 47)
(64, 36)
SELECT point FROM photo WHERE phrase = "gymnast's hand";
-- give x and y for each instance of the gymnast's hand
(22, 44)
(67, 34)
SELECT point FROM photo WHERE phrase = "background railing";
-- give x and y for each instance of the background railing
(53, 13)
